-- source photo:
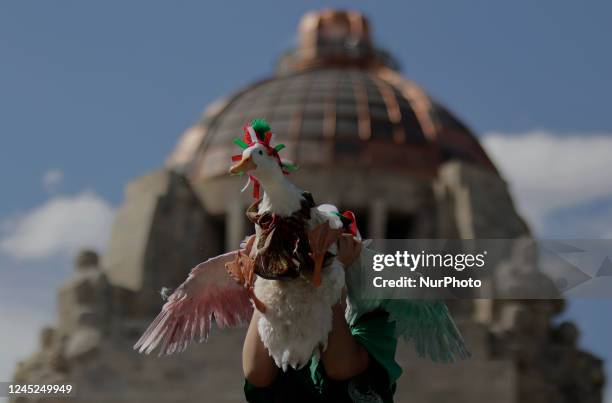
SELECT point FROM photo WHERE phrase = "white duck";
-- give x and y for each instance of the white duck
(298, 314)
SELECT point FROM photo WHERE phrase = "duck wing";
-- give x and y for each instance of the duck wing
(427, 323)
(211, 291)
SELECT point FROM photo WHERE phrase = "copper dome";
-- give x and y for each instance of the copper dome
(334, 100)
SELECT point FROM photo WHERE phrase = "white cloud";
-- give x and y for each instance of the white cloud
(52, 179)
(549, 172)
(61, 226)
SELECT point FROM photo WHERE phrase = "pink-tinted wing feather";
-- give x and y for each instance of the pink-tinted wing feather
(208, 293)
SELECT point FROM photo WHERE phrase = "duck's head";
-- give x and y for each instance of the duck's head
(259, 158)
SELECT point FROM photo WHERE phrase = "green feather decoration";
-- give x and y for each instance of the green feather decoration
(289, 167)
(279, 147)
(260, 126)
(241, 143)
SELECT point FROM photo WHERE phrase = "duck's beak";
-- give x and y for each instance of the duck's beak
(244, 165)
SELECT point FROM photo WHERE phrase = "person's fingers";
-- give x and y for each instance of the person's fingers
(343, 249)
(349, 249)
(358, 246)
(354, 246)
(342, 243)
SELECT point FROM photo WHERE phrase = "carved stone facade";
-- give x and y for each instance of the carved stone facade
(409, 170)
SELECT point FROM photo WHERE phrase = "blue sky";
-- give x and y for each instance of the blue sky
(94, 94)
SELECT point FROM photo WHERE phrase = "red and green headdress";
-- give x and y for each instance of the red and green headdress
(259, 132)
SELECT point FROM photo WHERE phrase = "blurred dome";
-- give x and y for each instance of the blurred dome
(335, 100)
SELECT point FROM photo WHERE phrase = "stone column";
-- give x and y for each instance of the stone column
(377, 219)
(234, 224)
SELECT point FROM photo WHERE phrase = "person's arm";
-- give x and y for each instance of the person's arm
(259, 368)
(344, 357)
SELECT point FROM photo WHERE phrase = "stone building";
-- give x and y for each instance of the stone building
(365, 139)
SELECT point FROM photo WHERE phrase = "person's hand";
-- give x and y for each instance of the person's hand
(344, 357)
(349, 249)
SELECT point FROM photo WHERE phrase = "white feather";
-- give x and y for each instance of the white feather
(246, 185)
(298, 318)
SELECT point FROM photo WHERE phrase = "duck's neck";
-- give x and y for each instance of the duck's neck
(280, 195)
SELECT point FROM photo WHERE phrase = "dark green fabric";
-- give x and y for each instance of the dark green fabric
(311, 384)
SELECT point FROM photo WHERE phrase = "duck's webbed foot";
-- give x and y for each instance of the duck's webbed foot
(320, 239)
(242, 270)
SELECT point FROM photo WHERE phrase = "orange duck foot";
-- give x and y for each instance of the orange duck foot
(320, 239)
(318, 265)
